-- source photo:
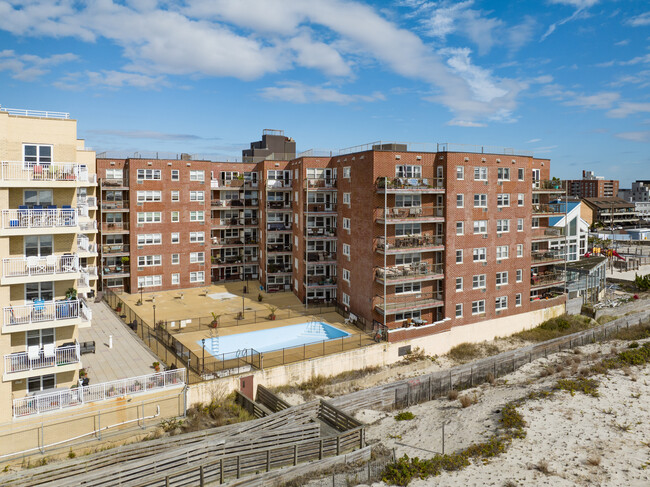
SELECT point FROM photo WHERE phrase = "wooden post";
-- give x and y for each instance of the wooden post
(471, 376)
(338, 445)
(320, 449)
(202, 476)
(429, 389)
(268, 460)
(443, 438)
(221, 471)
(238, 465)
(167, 481)
(295, 455)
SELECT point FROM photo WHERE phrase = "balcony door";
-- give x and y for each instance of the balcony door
(39, 290)
(39, 245)
(41, 383)
(38, 338)
(42, 197)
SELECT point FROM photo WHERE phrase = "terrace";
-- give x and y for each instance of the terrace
(40, 314)
(19, 270)
(24, 221)
(413, 214)
(420, 271)
(410, 185)
(398, 303)
(545, 257)
(547, 279)
(21, 173)
(409, 243)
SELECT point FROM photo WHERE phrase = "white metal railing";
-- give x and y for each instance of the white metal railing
(57, 400)
(39, 266)
(90, 201)
(88, 226)
(84, 243)
(46, 218)
(45, 171)
(41, 311)
(278, 183)
(86, 312)
(82, 210)
(42, 358)
(91, 271)
(84, 280)
(35, 113)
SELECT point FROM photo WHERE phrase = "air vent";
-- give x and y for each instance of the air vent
(139, 181)
(498, 287)
(500, 183)
(498, 161)
(485, 235)
(484, 264)
(467, 159)
(498, 261)
(398, 157)
(483, 159)
(169, 163)
(486, 183)
(362, 157)
(140, 247)
(418, 158)
(513, 161)
(189, 165)
(112, 163)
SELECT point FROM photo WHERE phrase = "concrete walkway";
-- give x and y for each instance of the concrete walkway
(129, 357)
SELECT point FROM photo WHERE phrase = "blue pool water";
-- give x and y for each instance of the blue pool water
(274, 338)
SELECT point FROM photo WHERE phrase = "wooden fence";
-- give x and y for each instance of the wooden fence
(270, 400)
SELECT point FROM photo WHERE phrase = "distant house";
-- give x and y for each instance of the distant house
(575, 228)
(609, 212)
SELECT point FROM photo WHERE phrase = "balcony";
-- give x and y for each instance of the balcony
(278, 227)
(420, 271)
(278, 205)
(235, 203)
(21, 270)
(85, 246)
(406, 302)
(320, 282)
(111, 271)
(25, 221)
(45, 314)
(278, 184)
(322, 184)
(320, 208)
(115, 205)
(115, 249)
(546, 257)
(539, 234)
(414, 214)
(548, 186)
(320, 257)
(548, 209)
(19, 365)
(409, 185)
(90, 202)
(88, 227)
(278, 248)
(115, 227)
(116, 183)
(278, 268)
(320, 233)
(234, 222)
(410, 243)
(547, 279)
(50, 175)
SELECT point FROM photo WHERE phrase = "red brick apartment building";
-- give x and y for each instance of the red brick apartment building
(416, 242)
(591, 186)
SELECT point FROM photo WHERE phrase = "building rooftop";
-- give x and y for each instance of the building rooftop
(608, 202)
(586, 263)
(22, 112)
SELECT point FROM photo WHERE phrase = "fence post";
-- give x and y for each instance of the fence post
(221, 471)
(429, 397)
(338, 445)
(238, 465)
(320, 449)
(268, 460)
(202, 479)
(443, 437)
(471, 376)
(295, 455)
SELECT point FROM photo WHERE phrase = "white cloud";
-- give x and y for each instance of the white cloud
(297, 92)
(29, 67)
(575, 3)
(634, 136)
(603, 100)
(148, 134)
(624, 42)
(580, 5)
(465, 123)
(625, 109)
(532, 141)
(479, 80)
(109, 79)
(640, 20)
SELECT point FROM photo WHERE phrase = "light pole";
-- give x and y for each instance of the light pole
(141, 289)
(154, 316)
(203, 355)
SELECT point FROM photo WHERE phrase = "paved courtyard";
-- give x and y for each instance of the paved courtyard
(129, 357)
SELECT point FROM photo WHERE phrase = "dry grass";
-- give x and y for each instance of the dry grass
(542, 466)
(466, 401)
(465, 352)
(593, 460)
(452, 395)
(555, 327)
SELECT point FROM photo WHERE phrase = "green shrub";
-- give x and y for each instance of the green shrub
(404, 416)
(581, 384)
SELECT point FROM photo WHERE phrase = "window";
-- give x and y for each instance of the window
(197, 176)
(460, 172)
(520, 250)
(346, 172)
(346, 275)
(196, 216)
(502, 278)
(480, 226)
(407, 229)
(149, 217)
(175, 175)
(408, 258)
(520, 174)
(503, 199)
(460, 200)
(346, 224)
(148, 174)
(501, 303)
(197, 196)
(519, 275)
(478, 282)
(43, 197)
(114, 174)
(520, 224)
(176, 278)
(346, 199)
(149, 196)
(460, 228)
(197, 237)
(459, 310)
(38, 246)
(408, 171)
(37, 153)
(175, 196)
(41, 383)
(459, 284)
(480, 174)
(176, 259)
(520, 199)
(346, 250)
(411, 287)
(480, 201)
(197, 276)
(535, 223)
(408, 200)
(149, 239)
(36, 290)
(38, 338)
(459, 256)
(502, 252)
(478, 307)
(149, 260)
(197, 257)
(407, 314)
(176, 216)
(503, 226)
(346, 299)
(176, 238)
(518, 299)
(479, 255)
(503, 174)
(149, 281)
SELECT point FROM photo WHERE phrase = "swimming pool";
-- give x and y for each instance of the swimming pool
(274, 338)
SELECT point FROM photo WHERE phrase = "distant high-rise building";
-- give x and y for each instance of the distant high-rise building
(591, 186)
(639, 194)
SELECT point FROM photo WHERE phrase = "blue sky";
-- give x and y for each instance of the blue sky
(565, 79)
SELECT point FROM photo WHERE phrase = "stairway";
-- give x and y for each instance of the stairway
(315, 329)
(214, 346)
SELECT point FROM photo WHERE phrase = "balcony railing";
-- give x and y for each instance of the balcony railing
(278, 227)
(278, 268)
(37, 218)
(235, 203)
(235, 221)
(278, 205)
(41, 311)
(410, 271)
(409, 242)
(91, 271)
(51, 401)
(115, 226)
(321, 232)
(410, 184)
(22, 112)
(320, 256)
(89, 201)
(85, 245)
(39, 358)
(547, 279)
(411, 213)
(320, 207)
(279, 247)
(320, 183)
(40, 266)
(115, 183)
(548, 208)
(548, 185)
(32, 171)
(321, 281)
(408, 301)
(115, 205)
(112, 270)
(546, 256)
(278, 183)
(88, 226)
(546, 233)
(115, 249)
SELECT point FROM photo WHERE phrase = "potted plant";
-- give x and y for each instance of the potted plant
(71, 293)
(156, 366)
(272, 309)
(138, 302)
(215, 320)
(118, 308)
(125, 260)
(82, 373)
(259, 297)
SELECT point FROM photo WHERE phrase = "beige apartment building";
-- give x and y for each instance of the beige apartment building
(49, 254)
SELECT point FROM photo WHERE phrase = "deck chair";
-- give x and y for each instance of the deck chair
(31, 263)
(49, 351)
(50, 263)
(350, 320)
(33, 352)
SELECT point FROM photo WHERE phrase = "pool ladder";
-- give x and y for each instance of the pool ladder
(214, 346)
(314, 328)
